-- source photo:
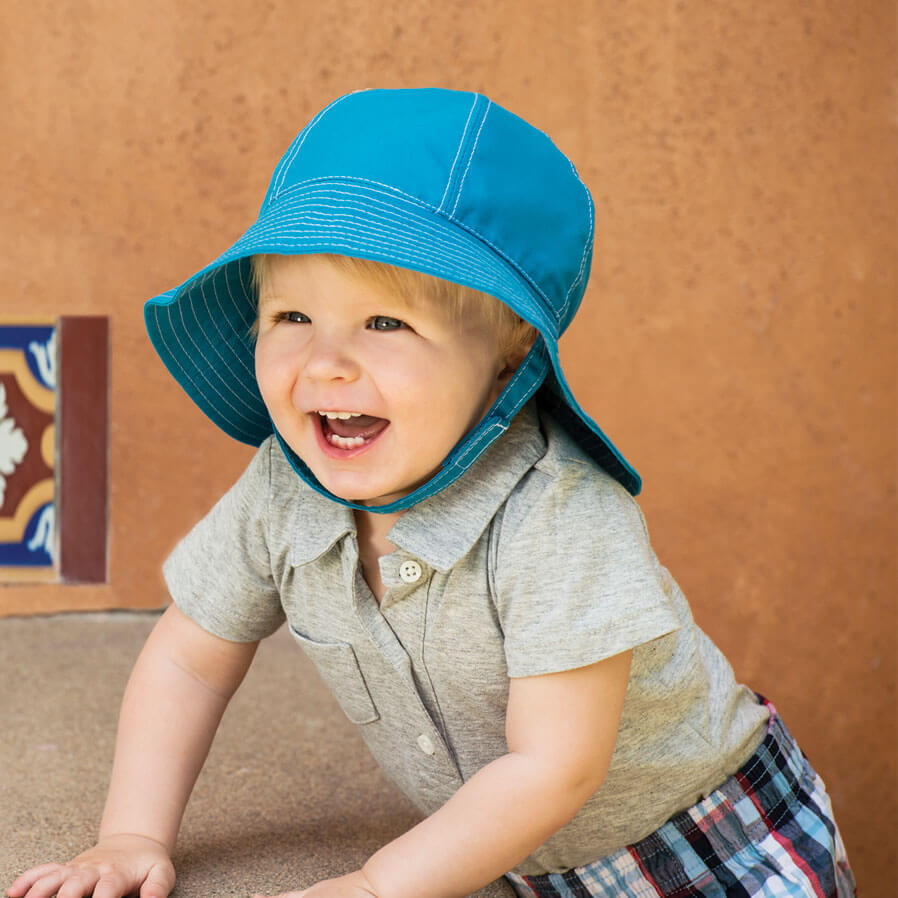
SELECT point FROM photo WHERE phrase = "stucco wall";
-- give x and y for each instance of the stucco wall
(739, 336)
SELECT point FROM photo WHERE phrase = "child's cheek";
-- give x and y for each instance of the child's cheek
(271, 369)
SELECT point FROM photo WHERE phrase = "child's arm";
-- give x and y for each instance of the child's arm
(561, 729)
(177, 693)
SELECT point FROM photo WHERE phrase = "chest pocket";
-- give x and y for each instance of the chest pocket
(338, 667)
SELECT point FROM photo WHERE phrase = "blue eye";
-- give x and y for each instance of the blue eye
(385, 323)
(295, 317)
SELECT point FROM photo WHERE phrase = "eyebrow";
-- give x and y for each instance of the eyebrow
(267, 298)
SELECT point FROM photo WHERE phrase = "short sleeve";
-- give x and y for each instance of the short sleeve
(575, 579)
(220, 574)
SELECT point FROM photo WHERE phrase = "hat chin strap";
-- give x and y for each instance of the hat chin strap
(522, 385)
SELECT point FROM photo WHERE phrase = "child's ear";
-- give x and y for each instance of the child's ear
(518, 352)
(511, 365)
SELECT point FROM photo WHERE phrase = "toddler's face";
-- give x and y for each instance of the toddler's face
(370, 393)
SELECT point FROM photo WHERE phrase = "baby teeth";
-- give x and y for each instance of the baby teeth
(345, 442)
(340, 416)
(338, 441)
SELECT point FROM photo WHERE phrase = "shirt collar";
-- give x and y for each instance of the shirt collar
(441, 529)
(317, 523)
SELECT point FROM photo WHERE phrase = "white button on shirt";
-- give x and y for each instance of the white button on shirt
(410, 571)
(425, 743)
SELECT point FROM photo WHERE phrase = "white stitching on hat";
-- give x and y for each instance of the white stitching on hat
(486, 112)
(394, 222)
(281, 171)
(522, 369)
(461, 225)
(181, 304)
(351, 179)
(499, 428)
(187, 300)
(391, 192)
(174, 357)
(218, 333)
(457, 151)
(537, 289)
(300, 140)
(307, 237)
(253, 305)
(390, 213)
(316, 238)
(527, 367)
(250, 294)
(586, 245)
(389, 189)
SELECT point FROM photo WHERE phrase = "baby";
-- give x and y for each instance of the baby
(452, 541)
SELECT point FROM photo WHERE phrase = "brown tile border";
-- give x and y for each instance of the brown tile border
(82, 453)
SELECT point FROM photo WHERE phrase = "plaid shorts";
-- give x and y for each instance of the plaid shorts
(767, 831)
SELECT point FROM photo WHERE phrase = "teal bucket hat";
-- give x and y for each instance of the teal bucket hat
(443, 182)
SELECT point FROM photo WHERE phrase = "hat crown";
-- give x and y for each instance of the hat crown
(399, 140)
(467, 159)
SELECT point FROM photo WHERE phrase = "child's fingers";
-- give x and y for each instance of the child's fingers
(79, 881)
(159, 882)
(113, 884)
(109, 885)
(24, 882)
(44, 882)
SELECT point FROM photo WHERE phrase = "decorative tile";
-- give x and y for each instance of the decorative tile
(53, 449)
(27, 450)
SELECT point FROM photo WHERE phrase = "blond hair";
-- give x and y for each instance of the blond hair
(514, 336)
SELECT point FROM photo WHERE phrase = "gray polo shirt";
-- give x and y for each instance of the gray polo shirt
(534, 561)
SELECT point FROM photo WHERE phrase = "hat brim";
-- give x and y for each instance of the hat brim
(202, 329)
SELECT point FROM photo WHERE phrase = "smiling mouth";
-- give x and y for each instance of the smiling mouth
(350, 430)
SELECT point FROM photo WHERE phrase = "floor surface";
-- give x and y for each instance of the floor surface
(288, 796)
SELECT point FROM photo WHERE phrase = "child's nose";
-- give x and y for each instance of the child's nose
(329, 360)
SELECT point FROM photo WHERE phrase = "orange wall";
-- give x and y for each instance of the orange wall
(739, 335)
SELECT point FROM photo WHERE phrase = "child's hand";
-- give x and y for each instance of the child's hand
(352, 885)
(116, 866)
